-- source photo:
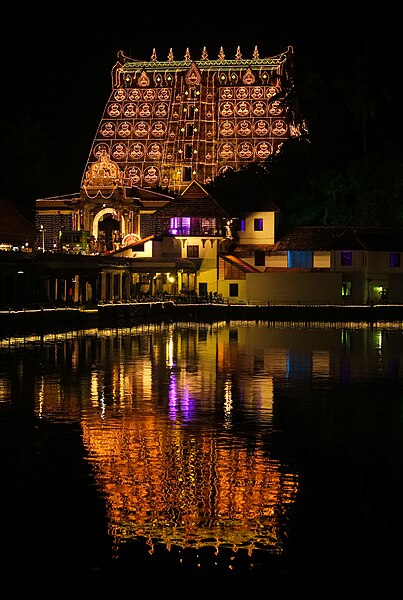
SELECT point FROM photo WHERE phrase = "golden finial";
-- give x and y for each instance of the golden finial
(204, 54)
(238, 54)
(154, 55)
(255, 53)
(221, 55)
(187, 54)
(170, 55)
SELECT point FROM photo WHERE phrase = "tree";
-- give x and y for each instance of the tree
(365, 89)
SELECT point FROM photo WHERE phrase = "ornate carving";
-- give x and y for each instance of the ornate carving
(168, 120)
(143, 80)
(193, 76)
(103, 173)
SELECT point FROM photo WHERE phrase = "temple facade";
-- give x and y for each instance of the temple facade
(169, 122)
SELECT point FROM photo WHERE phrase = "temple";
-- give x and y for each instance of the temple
(169, 122)
(169, 128)
(145, 225)
(166, 126)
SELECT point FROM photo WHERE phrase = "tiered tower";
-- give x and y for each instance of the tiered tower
(169, 122)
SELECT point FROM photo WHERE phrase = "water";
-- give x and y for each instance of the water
(227, 459)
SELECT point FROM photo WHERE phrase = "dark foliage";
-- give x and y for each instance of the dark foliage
(347, 169)
(369, 191)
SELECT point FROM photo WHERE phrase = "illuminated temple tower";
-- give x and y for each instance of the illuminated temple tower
(168, 125)
(169, 122)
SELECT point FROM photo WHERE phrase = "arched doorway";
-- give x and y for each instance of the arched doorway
(106, 229)
(110, 229)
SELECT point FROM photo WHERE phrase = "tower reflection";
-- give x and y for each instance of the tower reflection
(176, 421)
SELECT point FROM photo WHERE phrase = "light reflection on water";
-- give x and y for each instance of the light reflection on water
(198, 436)
(161, 439)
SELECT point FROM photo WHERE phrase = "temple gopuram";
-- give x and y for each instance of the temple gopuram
(169, 122)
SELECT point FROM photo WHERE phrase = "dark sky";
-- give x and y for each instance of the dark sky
(56, 63)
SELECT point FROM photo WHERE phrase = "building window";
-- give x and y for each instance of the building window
(300, 259)
(193, 251)
(179, 225)
(188, 150)
(257, 224)
(346, 288)
(384, 294)
(260, 258)
(233, 290)
(394, 259)
(189, 129)
(242, 225)
(174, 225)
(190, 113)
(187, 173)
(346, 258)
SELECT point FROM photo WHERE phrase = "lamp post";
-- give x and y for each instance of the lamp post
(43, 238)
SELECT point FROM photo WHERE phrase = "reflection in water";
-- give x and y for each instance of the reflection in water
(182, 423)
(158, 424)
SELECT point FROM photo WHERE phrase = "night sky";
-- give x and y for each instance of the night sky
(56, 66)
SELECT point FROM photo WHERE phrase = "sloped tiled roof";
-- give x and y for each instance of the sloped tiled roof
(63, 199)
(295, 269)
(148, 199)
(145, 194)
(239, 263)
(388, 239)
(194, 201)
(135, 245)
(147, 263)
(247, 249)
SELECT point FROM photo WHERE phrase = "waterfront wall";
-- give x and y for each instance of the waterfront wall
(289, 287)
(26, 321)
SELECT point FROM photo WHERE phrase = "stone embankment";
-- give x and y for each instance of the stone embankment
(24, 321)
